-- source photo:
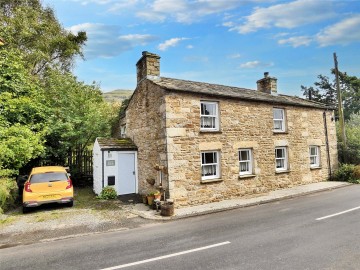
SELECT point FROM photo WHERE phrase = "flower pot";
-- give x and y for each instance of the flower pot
(157, 196)
(150, 199)
(167, 209)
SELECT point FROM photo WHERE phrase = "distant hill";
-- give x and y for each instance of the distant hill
(117, 95)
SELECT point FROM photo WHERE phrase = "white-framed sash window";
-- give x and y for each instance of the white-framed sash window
(314, 152)
(209, 116)
(279, 119)
(245, 162)
(281, 159)
(210, 166)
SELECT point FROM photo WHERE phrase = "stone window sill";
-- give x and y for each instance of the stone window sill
(315, 168)
(211, 180)
(210, 131)
(280, 172)
(247, 176)
(280, 132)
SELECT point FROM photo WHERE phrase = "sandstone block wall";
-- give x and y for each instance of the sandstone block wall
(145, 125)
(243, 124)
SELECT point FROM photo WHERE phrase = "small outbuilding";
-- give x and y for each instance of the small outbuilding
(115, 164)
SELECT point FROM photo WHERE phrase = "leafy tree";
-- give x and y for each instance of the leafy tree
(325, 91)
(35, 63)
(311, 93)
(22, 117)
(34, 30)
(78, 114)
(352, 153)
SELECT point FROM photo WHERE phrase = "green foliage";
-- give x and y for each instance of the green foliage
(8, 193)
(78, 114)
(325, 92)
(45, 110)
(153, 193)
(19, 144)
(34, 29)
(22, 118)
(347, 173)
(352, 153)
(107, 193)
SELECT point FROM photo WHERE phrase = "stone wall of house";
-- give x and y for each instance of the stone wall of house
(145, 125)
(243, 124)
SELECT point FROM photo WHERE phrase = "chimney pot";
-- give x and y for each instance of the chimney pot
(148, 66)
(267, 84)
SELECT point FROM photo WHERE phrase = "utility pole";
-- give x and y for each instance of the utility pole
(340, 107)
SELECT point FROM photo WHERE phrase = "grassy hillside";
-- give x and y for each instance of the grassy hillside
(117, 95)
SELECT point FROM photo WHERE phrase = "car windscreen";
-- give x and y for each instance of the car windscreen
(48, 177)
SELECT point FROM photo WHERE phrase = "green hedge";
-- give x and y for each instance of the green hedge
(8, 193)
(347, 173)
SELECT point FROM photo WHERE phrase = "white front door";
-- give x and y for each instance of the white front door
(127, 174)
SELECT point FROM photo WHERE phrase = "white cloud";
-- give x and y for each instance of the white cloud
(185, 11)
(119, 6)
(189, 47)
(228, 24)
(99, 2)
(170, 43)
(280, 35)
(115, 6)
(288, 15)
(255, 64)
(343, 32)
(296, 41)
(106, 41)
(234, 56)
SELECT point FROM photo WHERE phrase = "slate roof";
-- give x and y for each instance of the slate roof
(114, 144)
(234, 92)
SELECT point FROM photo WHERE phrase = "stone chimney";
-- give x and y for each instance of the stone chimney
(267, 84)
(148, 66)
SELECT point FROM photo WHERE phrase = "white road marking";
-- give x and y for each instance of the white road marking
(339, 213)
(165, 256)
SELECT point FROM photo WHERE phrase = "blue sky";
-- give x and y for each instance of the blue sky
(230, 42)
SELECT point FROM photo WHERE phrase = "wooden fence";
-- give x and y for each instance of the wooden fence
(81, 166)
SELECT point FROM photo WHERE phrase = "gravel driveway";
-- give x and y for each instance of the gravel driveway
(88, 215)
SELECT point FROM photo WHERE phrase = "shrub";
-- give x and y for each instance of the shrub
(356, 172)
(348, 173)
(8, 193)
(108, 193)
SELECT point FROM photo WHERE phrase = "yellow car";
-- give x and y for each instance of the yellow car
(48, 184)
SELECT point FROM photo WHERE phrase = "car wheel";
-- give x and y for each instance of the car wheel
(25, 209)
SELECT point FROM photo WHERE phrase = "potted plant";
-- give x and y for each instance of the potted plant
(167, 208)
(157, 195)
(150, 198)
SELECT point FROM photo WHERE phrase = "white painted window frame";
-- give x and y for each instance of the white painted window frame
(315, 156)
(215, 164)
(282, 120)
(214, 117)
(285, 166)
(249, 161)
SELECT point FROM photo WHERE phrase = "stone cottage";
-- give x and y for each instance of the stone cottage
(205, 142)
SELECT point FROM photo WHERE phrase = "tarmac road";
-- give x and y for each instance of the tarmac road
(317, 231)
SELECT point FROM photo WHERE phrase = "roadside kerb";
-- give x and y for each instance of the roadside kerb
(226, 205)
